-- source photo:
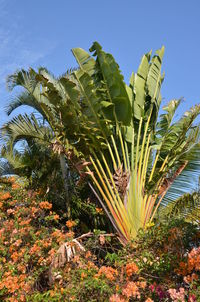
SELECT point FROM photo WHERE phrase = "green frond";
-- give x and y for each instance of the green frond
(186, 206)
(166, 119)
(188, 179)
(5, 167)
(22, 78)
(23, 99)
(25, 127)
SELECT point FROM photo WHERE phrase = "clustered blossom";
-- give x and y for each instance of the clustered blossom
(5, 196)
(177, 295)
(116, 298)
(45, 205)
(109, 272)
(131, 290)
(194, 259)
(70, 224)
(131, 268)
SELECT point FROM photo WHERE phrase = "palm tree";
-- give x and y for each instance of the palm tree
(50, 131)
(26, 161)
(137, 158)
(146, 155)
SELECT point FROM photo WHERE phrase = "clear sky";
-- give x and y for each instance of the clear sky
(42, 32)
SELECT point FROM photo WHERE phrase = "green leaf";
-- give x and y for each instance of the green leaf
(154, 79)
(115, 85)
(166, 118)
(139, 86)
(84, 60)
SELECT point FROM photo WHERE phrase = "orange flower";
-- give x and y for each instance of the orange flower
(35, 249)
(25, 222)
(142, 284)
(131, 290)
(45, 205)
(15, 186)
(52, 294)
(52, 252)
(56, 217)
(109, 272)
(15, 256)
(5, 196)
(21, 268)
(22, 298)
(88, 254)
(11, 179)
(116, 298)
(190, 278)
(117, 287)
(70, 224)
(70, 234)
(34, 210)
(99, 210)
(148, 300)
(131, 268)
(83, 275)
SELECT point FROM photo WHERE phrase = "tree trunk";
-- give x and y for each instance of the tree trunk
(65, 175)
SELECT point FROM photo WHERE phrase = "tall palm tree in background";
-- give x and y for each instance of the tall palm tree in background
(35, 161)
(136, 159)
(47, 128)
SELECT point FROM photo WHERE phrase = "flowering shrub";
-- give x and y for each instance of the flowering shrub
(29, 238)
(163, 264)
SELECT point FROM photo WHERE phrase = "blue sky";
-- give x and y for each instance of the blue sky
(35, 33)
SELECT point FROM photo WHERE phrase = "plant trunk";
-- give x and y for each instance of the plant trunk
(65, 175)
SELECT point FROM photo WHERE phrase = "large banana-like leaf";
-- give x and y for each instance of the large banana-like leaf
(84, 60)
(154, 78)
(139, 87)
(114, 83)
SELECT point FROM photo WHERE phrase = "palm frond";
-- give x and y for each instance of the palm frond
(22, 78)
(187, 180)
(5, 167)
(186, 206)
(25, 127)
(23, 99)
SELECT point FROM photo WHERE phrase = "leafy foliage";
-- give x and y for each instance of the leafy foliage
(161, 264)
(135, 158)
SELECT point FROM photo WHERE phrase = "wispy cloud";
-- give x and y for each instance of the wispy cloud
(17, 49)
(16, 53)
